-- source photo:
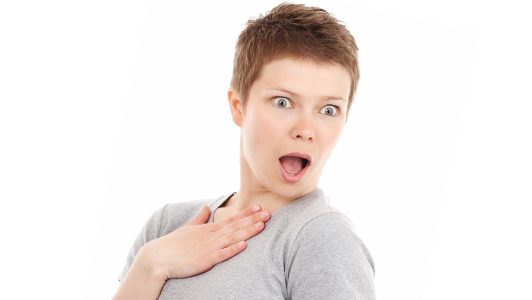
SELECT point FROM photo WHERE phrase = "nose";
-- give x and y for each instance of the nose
(303, 129)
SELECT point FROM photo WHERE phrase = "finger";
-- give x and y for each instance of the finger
(202, 217)
(245, 222)
(245, 213)
(240, 235)
(226, 253)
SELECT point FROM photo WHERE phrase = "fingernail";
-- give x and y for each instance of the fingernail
(256, 208)
(258, 225)
(264, 214)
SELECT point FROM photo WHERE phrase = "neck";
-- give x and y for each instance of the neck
(252, 192)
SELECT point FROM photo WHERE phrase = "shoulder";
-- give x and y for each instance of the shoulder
(331, 237)
(182, 212)
(303, 211)
(327, 224)
(316, 217)
(320, 228)
(175, 215)
(327, 257)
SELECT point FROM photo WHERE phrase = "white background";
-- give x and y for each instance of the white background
(110, 109)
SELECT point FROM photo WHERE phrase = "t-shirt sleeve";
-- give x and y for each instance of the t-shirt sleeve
(329, 261)
(150, 231)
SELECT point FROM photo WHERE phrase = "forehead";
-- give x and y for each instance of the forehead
(304, 77)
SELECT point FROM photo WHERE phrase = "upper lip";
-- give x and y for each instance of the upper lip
(299, 154)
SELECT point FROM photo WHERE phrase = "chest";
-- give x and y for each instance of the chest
(256, 273)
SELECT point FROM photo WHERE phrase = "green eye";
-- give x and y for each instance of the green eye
(330, 110)
(282, 102)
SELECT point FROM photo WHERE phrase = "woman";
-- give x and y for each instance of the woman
(294, 78)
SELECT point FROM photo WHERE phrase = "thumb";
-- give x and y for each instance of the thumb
(202, 217)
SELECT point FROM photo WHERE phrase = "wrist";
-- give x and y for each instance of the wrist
(149, 264)
(144, 280)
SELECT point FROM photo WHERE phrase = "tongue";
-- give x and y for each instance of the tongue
(292, 164)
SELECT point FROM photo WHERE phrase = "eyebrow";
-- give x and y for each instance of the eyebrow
(328, 98)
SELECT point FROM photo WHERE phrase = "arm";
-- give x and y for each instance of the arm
(142, 281)
(329, 261)
(188, 251)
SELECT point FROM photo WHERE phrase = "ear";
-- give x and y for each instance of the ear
(236, 106)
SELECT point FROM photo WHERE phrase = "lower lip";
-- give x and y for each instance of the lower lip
(293, 178)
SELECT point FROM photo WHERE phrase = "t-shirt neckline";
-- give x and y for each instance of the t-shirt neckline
(318, 192)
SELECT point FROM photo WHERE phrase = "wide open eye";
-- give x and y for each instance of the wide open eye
(330, 110)
(282, 102)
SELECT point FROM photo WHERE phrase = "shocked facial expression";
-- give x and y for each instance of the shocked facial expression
(293, 118)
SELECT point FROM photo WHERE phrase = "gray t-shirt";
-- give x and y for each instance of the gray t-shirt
(307, 250)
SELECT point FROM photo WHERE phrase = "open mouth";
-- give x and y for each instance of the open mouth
(293, 166)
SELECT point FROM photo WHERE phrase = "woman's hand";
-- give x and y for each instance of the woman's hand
(197, 247)
(188, 251)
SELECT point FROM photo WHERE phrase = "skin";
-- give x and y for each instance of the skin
(309, 92)
(269, 131)
(188, 251)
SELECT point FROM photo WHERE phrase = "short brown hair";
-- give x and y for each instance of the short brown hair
(293, 30)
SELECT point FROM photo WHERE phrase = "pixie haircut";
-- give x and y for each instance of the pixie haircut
(295, 31)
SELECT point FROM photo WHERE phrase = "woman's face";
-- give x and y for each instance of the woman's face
(294, 115)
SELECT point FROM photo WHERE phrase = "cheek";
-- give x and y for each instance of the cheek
(260, 134)
(330, 137)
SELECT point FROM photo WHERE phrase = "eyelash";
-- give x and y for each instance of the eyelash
(275, 105)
